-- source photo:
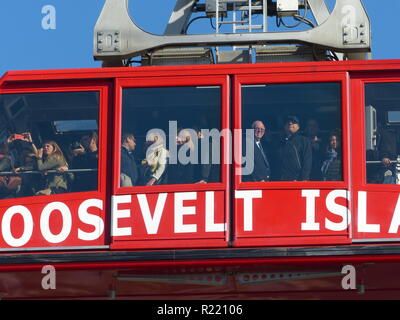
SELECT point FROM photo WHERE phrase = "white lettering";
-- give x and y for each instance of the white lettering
(363, 226)
(337, 209)
(49, 20)
(394, 225)
(117, 214)
(91, 219)
(152, 222)
(180, 211)
(27, 227)
(310, 224)
(45, 222)
(349, 281)
(211, 226)
(49, 281)
(349, 15)
(248, 197)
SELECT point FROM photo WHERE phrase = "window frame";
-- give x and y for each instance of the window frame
(100, 86)
(164, 82)
(358, 82)
(293, 78)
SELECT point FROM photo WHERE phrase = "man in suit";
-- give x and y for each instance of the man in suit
(129, 170)
(262, 168)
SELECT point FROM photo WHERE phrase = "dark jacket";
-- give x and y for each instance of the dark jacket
(181, 173)
(387, 144)
(85, 181)
(318, 156)
(332, 166)
(262, 166)
(5, 164)
(128, 165)
(207, 171)
(295, 158)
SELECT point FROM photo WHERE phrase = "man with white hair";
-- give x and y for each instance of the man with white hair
(262, 168)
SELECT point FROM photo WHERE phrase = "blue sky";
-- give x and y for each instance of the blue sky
(26, 45)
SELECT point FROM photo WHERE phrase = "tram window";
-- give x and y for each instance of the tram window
(48, 143)
(382, 131)
(297, 132)
(75, 125)
(170, 135)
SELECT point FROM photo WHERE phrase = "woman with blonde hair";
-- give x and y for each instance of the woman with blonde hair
(50, 157)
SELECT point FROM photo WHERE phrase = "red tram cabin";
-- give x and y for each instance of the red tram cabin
(230, 237)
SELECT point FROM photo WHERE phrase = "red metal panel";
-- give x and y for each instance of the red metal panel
(166, 236)
(279, 208)
(53, 222)
(46, 215)
(282, 217)
(183, 216)
(374, 206)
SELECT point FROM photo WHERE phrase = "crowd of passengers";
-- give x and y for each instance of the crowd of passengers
(157, 168)
(28, 170)
(385, 153)
(295, 155)
(308, 155)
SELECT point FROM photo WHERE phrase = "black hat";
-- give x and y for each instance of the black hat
(293, 119)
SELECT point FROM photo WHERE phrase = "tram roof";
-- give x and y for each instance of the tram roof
(106, 73)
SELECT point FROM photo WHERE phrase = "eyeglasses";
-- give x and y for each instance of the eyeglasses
(259, 129)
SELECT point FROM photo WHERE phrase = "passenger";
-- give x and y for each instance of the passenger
(5, 159)
(182, 172)
(295, 153)
(129, 170)
(386, 152)
(387, 144)
(9, 184)
(50, 157)
(332, 166)
(18, 145)
(385, 174)
(87, 151)
(262, 167)
(312, 132)
(154, 166)
(85, 156)
(206, 171)
(29, 182)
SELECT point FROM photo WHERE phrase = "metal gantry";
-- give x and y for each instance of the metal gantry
(344, 32)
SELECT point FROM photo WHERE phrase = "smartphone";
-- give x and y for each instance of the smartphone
(17, 136)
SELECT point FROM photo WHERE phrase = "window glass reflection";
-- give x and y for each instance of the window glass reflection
(382, 131)
(170, 136)
(296, 132)
(48, 143)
